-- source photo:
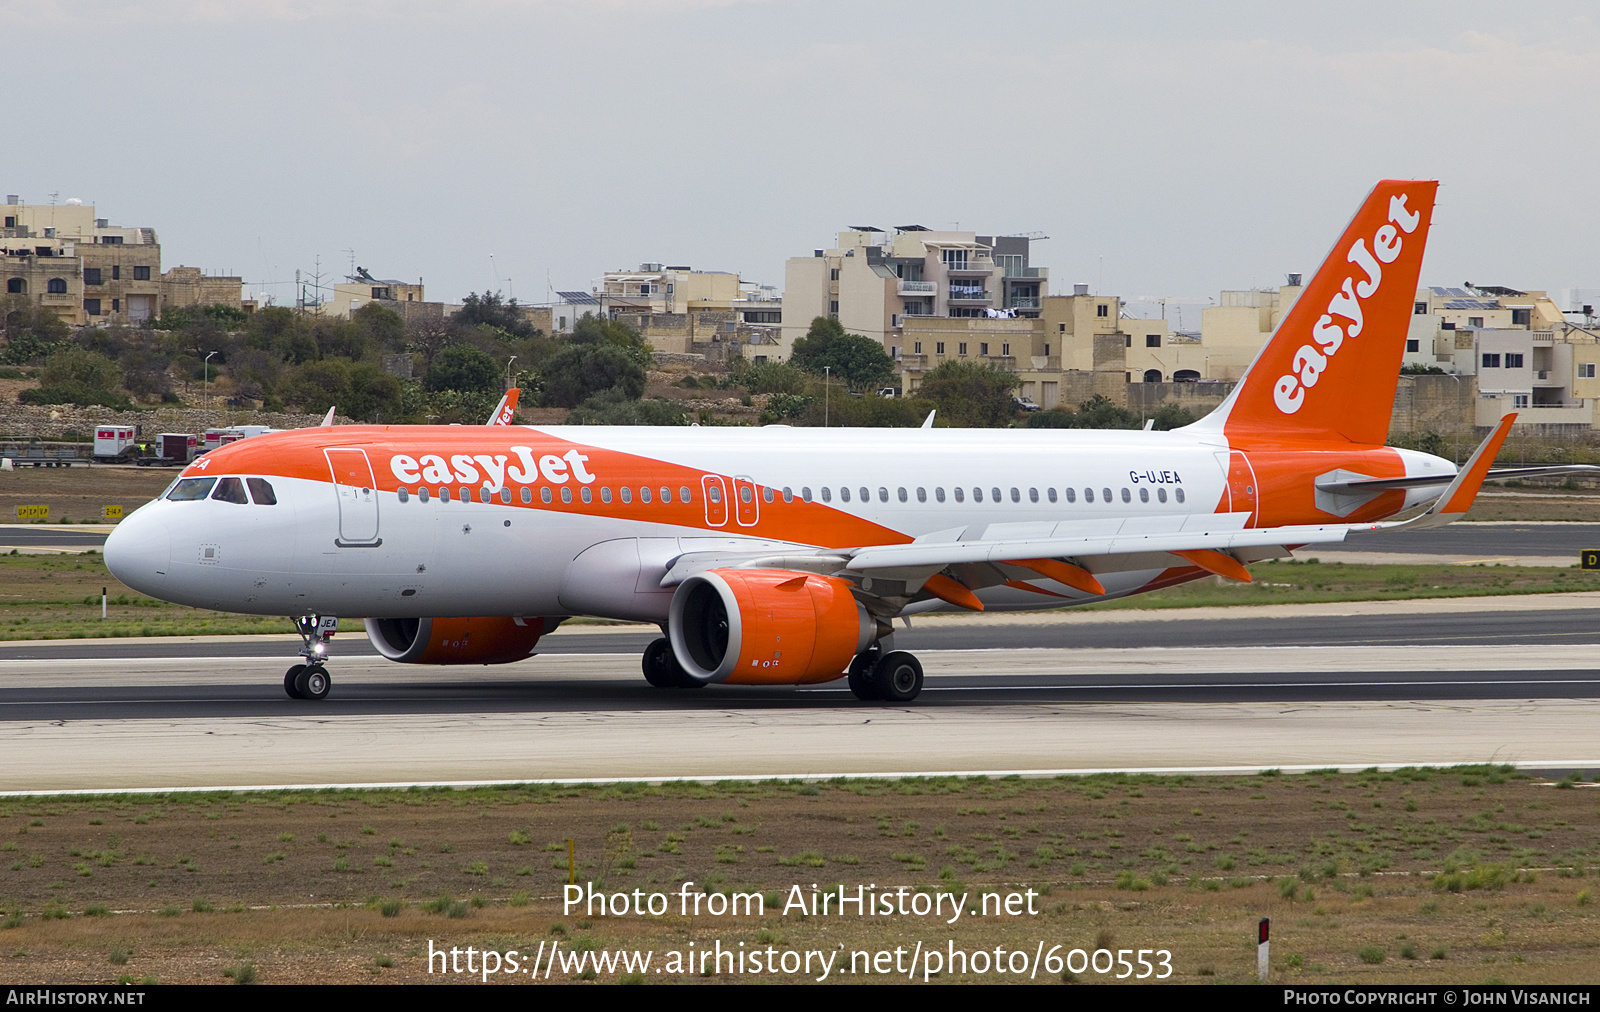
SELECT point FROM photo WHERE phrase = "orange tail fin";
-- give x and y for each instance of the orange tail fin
(1329, 372)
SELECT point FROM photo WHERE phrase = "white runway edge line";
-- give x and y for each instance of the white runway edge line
(1163, 771)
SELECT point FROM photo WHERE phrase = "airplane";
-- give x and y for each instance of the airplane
(782, 556)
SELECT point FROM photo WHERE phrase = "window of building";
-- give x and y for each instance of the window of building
(983, 347)
(1005, 348)
(1152, 340)
(91, 276)
(1586, 370)
(833, 275)
(1521, 317)
(938, 347)
(1127, 341)
(1474, 321)
(1152, 375)
(1412, 345)
(1419, 309)
(1491, 361)
(116, 305)
(1513, 360)
(111, 240)
(916, 347)
(1047, 349)
(116, 272)
(15, 286)
(1102, 310)
(91, 307)
(1061, 328)
(961, 348)
(1519, 400)
(833, 307)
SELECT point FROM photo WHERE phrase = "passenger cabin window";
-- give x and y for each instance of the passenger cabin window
(666, 494)
(644, 494)
(1177, 494)
(844, 493)
(261, 492)
(444, 493)
(231, 490)
(527, 495)
(191, 489)
(1072, 495)
(626, 493)
(827, 496)
(422, 493)
(683, 494)
(404, 495)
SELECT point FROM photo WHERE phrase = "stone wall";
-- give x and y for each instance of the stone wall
(30, 421)
(1434, 403)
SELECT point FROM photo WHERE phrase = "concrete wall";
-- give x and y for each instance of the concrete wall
(1434, 403)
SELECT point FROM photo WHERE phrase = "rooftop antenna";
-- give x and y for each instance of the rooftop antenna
(352, 260)
(494, 272)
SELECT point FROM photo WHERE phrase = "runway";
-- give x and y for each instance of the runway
(1509, 679)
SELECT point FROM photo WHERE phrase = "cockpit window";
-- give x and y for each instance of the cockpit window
(261, 491)
(189, 489)
(230, 490)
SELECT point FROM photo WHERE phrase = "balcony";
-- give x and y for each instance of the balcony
(917, 288)
(1027, 272)
(970, 267)
(965, 295)
(1024, 302)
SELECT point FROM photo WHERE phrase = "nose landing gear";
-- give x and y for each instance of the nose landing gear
(311, 680)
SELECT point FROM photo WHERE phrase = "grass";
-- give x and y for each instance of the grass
(58, 596)
(1383, 874)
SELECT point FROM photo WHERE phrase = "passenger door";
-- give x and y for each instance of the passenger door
(358, 498)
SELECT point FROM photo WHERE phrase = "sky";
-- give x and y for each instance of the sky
(1167, 150)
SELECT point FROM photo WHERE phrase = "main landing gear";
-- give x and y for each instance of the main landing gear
(310, 680)
(891, 677)
(662, 670)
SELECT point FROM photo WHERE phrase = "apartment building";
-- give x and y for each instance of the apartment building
(876, 282)
(361, 288)
(677, 307)
(80, 267)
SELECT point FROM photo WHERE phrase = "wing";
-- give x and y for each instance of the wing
(950, 565)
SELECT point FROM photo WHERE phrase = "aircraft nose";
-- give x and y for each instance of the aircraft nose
(139, 552)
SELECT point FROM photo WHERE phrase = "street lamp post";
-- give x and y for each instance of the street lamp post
(827, 376)
(208, 381)
(513, 358)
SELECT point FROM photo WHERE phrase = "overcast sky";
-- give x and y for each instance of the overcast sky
(1166, 149)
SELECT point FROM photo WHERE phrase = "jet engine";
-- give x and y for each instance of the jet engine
(766, 627)
(488, 640)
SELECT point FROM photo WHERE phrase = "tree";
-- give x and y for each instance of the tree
(579, 371)
(1098, 412)
(77, 376)
(860, 361)
(372, 394)
(971, 395)
(381, 326)
(32, 332)
(488, 309)
(595, 330)
(465, 368)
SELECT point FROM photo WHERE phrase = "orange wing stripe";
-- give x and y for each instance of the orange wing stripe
(1066, 573)
(1220, 563)
(946, 589)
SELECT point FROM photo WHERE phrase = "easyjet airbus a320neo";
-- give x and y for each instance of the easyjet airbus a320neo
(781, 556)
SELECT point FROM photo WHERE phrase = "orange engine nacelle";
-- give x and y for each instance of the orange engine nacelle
(492, 640)
(766, 627)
